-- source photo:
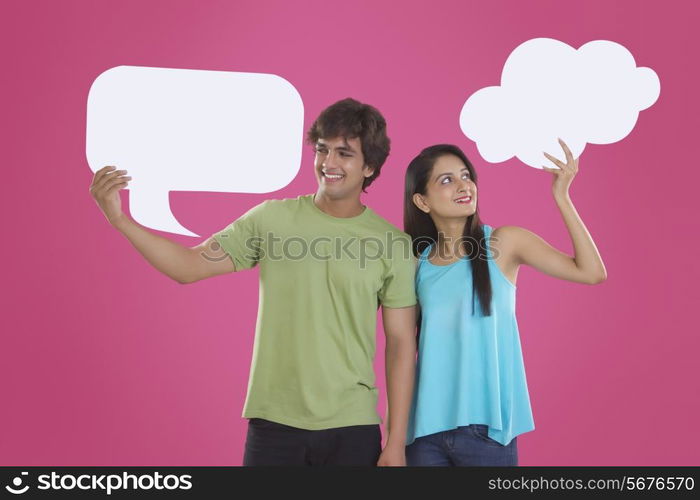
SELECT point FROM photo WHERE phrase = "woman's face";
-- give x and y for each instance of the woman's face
(450, 191)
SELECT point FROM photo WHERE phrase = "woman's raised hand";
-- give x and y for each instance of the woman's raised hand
(565, 173)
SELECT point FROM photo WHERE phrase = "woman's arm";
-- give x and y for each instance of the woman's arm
(520, 246)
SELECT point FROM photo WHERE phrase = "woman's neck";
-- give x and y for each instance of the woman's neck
(450, 232)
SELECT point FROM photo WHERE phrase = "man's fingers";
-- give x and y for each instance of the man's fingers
(104, 188)
(117, 180)
(116, 187)
(107, 177)
(101, 172)
(99, 175)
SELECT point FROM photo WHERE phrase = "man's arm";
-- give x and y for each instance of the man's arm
(184, 265)
(400, 331)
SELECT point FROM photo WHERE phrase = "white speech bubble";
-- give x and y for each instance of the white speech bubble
(193, 130)
(550, 90)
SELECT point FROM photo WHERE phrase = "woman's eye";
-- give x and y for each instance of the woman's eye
(445, 180)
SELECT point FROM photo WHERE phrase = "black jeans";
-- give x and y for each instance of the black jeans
(270, 443)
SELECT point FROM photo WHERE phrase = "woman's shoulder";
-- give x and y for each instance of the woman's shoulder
(505, 238)
(505, 231)
(512, 233)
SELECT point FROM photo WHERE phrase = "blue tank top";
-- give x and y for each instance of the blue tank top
(470, 367)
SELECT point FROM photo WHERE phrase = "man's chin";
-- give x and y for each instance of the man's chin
(334, 193)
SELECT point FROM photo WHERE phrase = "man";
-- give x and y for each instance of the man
(326, 264)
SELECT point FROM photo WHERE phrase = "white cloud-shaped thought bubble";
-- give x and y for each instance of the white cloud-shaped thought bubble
(550, 90)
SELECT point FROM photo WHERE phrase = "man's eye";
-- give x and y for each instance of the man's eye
(465, 176)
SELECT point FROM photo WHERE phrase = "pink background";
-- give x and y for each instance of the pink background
(104, 361)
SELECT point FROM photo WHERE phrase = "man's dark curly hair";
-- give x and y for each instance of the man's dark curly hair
(352, 119)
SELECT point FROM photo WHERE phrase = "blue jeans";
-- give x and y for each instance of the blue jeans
(462, 447)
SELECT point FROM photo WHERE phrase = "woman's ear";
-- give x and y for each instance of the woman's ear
(419, 201)
(369, 171)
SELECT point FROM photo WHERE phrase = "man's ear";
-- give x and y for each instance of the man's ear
(368, 171)
(419, 201)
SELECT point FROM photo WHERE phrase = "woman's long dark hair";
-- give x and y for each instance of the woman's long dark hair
(423, 232)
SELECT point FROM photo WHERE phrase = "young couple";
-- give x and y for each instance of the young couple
(327, 263)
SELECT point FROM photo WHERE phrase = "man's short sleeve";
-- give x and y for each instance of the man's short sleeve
(399, 289)
(241, 239)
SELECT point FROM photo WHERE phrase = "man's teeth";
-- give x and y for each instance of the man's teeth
(464, 200)
(334, 176)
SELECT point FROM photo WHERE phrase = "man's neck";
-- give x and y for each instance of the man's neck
(343, 208)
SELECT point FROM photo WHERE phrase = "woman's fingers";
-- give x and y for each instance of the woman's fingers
(567, 151)
(558, 163)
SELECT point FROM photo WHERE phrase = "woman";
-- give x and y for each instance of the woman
(471, 399)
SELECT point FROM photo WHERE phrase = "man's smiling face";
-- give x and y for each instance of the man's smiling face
(340, 167)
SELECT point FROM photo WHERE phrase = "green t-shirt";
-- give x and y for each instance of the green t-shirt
(322, 279)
